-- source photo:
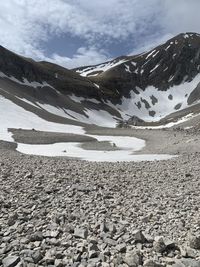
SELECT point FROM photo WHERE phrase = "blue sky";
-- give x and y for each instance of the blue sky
(83, 32)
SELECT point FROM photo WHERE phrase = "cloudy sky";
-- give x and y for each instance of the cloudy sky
(83, 32)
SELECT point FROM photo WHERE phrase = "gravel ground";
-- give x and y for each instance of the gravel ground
(168, 141)
(165, 141)
(61, 212)
(40, 137)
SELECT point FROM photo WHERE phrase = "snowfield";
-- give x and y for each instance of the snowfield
(97, 117)
(13, 116)
(161, 103)
(74, 150)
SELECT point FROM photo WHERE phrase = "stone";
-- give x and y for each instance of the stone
(148, 238)
(37, 256)
(186, 263)
(58, 263)
(121, 247)
(12, 219)
(133, 258)
(162, 244)
(10, 261)
(37, 236)
(194, 242)
(159, 245)
(93, 254)
(81, 233)
(188, 252)
(151, 263)
(138, 236)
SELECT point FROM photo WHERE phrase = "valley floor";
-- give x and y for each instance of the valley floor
(62, 212)
(163, 141)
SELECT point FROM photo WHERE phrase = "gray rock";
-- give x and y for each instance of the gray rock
(133, 258)
(159, 245)
(58, 263)
(138, 236)
(121, 247)
(10, 261)
(93, 254)
(152, 263)
(12, 219)
(188, 252)
(194, 242)
(186, 263)
(162, 244)
(37, 236)
(81, 233)
(37, 256)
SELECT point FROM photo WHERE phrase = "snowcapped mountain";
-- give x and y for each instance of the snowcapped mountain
(154, 84)
(155, 87)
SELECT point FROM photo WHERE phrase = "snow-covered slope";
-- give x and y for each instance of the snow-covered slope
(154, 84)
(154, 105)
(14, 116)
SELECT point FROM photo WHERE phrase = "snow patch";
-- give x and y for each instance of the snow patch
(74, 150)
(25, 81)
(151, 53)
(170, 124)
(127, 68)
(155, 68)
(100, 68)
(13, 116)
(163, 107)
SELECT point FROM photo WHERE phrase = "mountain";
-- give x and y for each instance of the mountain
(153, 88)
(156, 83)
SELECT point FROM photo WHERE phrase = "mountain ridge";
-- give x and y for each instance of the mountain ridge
(140, 89)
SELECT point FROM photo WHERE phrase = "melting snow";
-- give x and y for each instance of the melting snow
(155, 68)
(28, 102)
(133, 63)
(170, 124)
(155, 53)
(150, 54)
(167, 47)
(100, 68)
(96, 85)
(13, 116)
(74, 150)
(78, 99)
(98, 117)
(127, 68)
(25, 81)
(163, 107)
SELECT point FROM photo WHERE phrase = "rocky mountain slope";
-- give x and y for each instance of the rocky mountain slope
(153, 84)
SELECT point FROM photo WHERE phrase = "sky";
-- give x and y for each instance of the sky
(76, 33)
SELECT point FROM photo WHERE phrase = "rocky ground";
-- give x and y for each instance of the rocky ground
(59, 212)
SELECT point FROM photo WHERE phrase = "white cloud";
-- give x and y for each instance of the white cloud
(26, 25)
(151, 43)
(181, 16)
(83, 57)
